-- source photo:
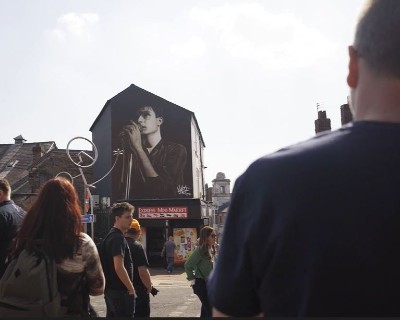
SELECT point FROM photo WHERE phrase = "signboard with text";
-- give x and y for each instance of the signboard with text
(162, 212)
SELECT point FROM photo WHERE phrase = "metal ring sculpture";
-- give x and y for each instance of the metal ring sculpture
(68, 174)
(96, 154)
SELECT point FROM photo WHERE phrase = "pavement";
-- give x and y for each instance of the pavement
(175, 299)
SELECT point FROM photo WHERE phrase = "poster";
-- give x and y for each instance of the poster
(155, 138)
(185, 240)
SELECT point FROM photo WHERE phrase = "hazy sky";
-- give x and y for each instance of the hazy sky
(251, 71)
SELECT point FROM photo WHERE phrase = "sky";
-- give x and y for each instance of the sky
(253, 72)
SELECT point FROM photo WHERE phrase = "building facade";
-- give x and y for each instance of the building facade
(219, 198)
(155, 149)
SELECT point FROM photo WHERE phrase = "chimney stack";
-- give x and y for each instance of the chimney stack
(19, 140)
(322, 123)
(345, 114)
(37, 153)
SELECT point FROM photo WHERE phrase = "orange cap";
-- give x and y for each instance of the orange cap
(135, 225)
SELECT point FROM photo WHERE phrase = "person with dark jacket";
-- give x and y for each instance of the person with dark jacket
(11, 217)
(119, 293)
(313, 229)
(141, 274)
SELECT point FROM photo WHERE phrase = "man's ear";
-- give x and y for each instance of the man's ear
(352, 77)
(160, 120)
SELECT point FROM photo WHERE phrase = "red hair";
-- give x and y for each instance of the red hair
(55, 218)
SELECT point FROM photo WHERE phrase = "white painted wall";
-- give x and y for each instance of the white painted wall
(197, 161)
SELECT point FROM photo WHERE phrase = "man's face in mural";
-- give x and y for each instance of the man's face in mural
(148, 120)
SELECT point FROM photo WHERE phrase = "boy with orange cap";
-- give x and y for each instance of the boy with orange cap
(141, 274)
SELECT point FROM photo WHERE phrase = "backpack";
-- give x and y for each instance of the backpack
(29, 287)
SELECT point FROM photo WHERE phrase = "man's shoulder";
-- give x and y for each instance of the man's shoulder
(114, 234)
(9, 207)
(135, 244)
(308, 154)
(5, 205)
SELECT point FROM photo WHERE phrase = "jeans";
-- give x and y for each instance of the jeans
(142, 307)
(170, 263)
(119, 303)
(200, 289)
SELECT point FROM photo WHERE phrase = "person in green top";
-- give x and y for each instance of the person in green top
(198, 267)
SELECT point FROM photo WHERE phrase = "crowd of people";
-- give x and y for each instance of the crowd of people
(118, 269)
(52, 226)
(312, 230)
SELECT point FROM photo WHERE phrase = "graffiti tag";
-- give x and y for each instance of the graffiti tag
(184, 190)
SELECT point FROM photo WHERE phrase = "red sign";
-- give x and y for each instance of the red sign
(162, 212)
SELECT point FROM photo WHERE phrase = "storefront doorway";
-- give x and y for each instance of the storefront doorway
(155, 242)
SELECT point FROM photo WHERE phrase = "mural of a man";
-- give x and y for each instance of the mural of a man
(153, 167)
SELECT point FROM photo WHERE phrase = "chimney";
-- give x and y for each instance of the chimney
(345, 114)
(36, 153)
(19, 140)
(322, 123)
(209, 194)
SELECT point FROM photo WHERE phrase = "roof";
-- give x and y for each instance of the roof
(16, 159)
(133, 87)
(20, 137)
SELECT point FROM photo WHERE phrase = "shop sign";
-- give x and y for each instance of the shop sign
(162, 212)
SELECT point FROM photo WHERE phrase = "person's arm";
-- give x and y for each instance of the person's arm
(93, 268)
(148, 168)
(170, 179)
(122, 273)
(163, 251)
(144, 275)
(233, 284)
(191, 263)
(140, 260)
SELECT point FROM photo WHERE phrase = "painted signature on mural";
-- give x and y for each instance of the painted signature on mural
(184, 190)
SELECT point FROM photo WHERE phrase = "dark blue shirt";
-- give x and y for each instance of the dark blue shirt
(314, 229)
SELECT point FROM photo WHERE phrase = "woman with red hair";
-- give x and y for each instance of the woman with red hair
(55, 221)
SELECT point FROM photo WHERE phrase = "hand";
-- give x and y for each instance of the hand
(132, 293)
(154, 291)
(132, 136)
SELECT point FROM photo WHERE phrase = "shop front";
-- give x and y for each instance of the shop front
(161, 218)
